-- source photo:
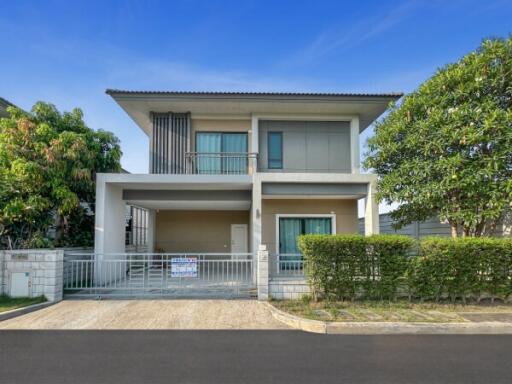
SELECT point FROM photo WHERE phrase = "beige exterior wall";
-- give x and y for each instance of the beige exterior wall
(197, 231)
(207, 125)
(345, 211)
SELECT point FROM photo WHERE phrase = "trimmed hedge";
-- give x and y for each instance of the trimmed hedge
(464, 268)
(350, 266)
(377, 267)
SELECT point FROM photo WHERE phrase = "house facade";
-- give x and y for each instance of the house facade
(242, 174)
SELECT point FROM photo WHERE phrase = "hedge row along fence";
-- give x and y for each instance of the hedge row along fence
(380, 267)
(350, 266)
(466, 268)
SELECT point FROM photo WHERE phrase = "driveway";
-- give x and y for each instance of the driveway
(149, 314)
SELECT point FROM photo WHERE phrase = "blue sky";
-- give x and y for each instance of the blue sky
(69, 52)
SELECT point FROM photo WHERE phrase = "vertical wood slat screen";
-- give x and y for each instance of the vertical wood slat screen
(169, 142)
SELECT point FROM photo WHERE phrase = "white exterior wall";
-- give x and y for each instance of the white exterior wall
(110, 222)
(45, 269)
(371, 212)
(110, 227)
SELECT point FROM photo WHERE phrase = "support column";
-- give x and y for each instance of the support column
(256, 224)
(371, 214)
(354, 145)
(110, 225)
(262, 281)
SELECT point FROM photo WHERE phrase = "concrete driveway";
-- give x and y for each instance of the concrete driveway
(149, 314)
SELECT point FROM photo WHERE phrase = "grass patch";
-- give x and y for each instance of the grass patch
(364, 311)
(8, 303)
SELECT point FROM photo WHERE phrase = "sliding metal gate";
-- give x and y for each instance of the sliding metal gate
(159, 274)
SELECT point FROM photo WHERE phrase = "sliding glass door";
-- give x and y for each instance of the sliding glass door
(208, 147)
(291, 227)
(221, 153)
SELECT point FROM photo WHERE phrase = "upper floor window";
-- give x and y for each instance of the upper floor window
(275, 150)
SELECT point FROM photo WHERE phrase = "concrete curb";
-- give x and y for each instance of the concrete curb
(24, 310)
(390, 328)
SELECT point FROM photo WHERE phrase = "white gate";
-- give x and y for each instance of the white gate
(159, 274)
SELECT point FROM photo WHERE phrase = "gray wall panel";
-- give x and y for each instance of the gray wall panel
(308, 146)
(332, 189)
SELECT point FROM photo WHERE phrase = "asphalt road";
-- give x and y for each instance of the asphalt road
(249, 357)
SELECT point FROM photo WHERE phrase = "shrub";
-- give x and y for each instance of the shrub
(350, 266)
(461, 268)
(388, 257)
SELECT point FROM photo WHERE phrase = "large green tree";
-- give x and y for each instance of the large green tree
(48, 164)
(446, 148)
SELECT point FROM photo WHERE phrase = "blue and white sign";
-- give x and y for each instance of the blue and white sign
(184, 267)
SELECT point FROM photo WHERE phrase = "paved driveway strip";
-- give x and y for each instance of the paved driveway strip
(149, 314)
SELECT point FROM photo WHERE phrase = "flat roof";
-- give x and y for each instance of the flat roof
(241, 105)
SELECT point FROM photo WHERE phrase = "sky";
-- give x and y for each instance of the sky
(68, 52)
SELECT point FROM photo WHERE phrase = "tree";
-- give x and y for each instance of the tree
(48, 165)
(446, 149)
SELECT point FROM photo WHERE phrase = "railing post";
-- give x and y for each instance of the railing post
(262, 278)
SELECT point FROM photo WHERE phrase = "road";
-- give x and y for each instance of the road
(250, 357)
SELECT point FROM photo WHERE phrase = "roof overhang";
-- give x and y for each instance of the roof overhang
(4, 104)
(242, 105)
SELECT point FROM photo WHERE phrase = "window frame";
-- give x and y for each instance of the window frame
(331, 216)
(221, 141)
(269, 159)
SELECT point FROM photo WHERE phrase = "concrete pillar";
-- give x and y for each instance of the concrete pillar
(109, 228)
(262, 282)
(255, 221)
(371, 214)
(54, 281)
(151, 230)
(110, 221)
(354, 145)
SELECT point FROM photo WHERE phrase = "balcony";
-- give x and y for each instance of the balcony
(221, 163)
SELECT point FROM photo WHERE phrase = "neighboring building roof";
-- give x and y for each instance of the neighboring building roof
(3, 107)
(140, 104)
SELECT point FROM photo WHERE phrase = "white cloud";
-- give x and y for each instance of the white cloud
(332, 39)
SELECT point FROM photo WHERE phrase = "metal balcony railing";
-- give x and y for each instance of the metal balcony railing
(221, 163)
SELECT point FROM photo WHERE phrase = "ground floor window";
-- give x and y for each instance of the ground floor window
(291, 227)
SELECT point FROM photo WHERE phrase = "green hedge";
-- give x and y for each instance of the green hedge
(350, 266)
(465, 268)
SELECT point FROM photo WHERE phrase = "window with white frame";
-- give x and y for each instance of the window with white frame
(289, 227)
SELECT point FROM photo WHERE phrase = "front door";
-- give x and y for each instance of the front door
(239, 238)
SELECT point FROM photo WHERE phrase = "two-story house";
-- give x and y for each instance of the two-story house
(234, 172)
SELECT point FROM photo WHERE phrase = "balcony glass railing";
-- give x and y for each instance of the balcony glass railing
(221, 163)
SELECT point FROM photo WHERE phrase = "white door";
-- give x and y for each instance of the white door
(20, 284)
(239, 238)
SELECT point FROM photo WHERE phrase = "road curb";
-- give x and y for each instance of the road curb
(24, 310)
(390, 328)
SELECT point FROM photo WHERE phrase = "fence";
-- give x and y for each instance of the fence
(160, 274)
(290, 264)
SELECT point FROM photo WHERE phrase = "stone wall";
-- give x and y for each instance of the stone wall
(45, 269)
(288, 288)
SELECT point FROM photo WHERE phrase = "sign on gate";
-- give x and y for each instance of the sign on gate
(184, 267)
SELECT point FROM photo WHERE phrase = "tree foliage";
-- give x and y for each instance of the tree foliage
(48, 164)
(447, 148)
